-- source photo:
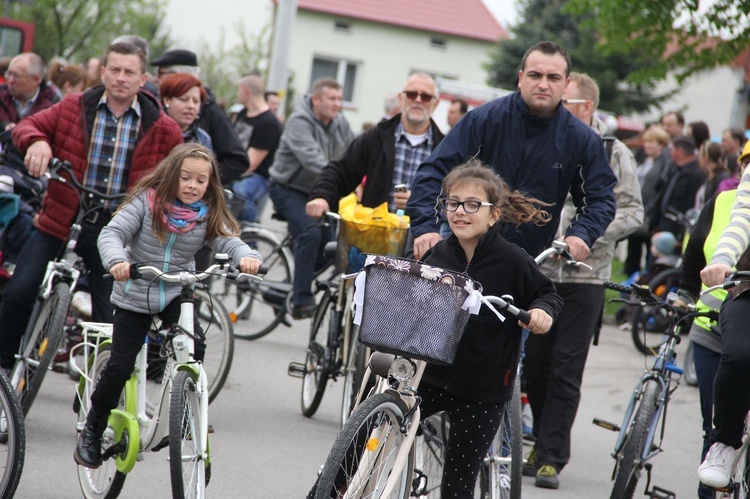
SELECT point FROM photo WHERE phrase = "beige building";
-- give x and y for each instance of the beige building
(372, 46)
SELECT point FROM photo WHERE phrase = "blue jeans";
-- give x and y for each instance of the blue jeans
(309, 239)
(255, 191)
(706, 365)
(20, 295)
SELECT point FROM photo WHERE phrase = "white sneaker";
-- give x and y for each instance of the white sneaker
(82, 302)
(716, 470)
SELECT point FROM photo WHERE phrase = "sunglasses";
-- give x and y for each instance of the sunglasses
(412, 95)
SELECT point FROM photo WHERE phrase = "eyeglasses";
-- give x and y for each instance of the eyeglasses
(574, 101)
(11, 74)
(469, 206)
(412, 95)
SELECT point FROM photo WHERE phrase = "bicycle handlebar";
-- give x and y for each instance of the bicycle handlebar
(560, 248)
(734, 279)
(506, 303)
(187, 277)
(53, 173)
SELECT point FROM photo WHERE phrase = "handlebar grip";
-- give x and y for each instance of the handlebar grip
(618, 287)
(263, 270)
(523, 316)
(108, 277)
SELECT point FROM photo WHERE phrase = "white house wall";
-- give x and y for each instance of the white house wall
(386, 56)
(708, 96)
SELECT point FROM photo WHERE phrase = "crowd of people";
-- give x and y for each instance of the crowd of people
(517, 172)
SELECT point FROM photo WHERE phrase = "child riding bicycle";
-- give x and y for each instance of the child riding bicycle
(474, 389)
(170, 215)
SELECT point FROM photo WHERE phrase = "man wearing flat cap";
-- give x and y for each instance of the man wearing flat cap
(232, 156)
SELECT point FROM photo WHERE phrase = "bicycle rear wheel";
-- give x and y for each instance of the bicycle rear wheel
(649, 324)
(501, 473)
(217, 326)
(104, 482)
(691, 377)
(628, 465)
(186, 464)
(12, 438)
(317, 359)
(261, 306)
(43, 344)
(363, 455)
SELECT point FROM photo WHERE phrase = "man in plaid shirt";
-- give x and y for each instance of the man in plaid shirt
(112, 135)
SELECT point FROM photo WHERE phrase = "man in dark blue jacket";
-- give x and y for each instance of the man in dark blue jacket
(538, 147)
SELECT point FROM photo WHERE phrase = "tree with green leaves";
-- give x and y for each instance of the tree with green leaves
(222, 66)
(79, 29)
(679, 36)
(549, 20)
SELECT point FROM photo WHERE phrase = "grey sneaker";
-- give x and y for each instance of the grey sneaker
(529, 467)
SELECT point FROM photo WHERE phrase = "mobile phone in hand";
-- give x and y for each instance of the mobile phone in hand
(401, 188)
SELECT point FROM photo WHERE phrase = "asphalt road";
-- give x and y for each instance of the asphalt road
(264, 448)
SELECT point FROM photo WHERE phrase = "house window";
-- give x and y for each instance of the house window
(343, 71)
(342, 26)
(437, 42)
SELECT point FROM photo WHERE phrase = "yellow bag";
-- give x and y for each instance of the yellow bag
(369, 230)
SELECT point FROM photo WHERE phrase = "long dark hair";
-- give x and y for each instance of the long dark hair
(514, 206)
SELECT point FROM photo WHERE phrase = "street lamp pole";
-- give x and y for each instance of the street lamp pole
(278, 71)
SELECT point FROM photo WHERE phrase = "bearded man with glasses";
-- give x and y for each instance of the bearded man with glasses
(388, 154)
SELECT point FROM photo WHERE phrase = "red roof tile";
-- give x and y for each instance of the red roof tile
(465, 18)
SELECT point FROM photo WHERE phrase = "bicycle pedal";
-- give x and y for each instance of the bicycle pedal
(659, 493)
(117, 448)
(297, 370)
(606, 425)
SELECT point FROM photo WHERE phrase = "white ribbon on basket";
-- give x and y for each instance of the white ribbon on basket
(472, 303)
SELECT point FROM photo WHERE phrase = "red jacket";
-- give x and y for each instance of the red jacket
(67, 127)
(8, 111)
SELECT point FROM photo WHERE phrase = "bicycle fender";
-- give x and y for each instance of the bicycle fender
(192, 368)
(125, 423)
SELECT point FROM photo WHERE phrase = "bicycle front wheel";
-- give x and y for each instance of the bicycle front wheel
(500, 476)
(186, 464)
(362, 458)
(261, 306)
(12, 438)
(317, 361)
(629, 464)
(217, 326)
(104, 482)
(43, 344)
(354, 372)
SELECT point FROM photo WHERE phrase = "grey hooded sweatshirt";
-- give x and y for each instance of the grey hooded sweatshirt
(306, 146)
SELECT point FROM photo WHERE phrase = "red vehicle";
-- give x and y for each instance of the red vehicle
(15, 37)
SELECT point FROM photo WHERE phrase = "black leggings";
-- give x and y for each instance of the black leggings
(472, 427)
(129, 333)
(731, 399)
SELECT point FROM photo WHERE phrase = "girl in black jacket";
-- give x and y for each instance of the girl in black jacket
(475, 387)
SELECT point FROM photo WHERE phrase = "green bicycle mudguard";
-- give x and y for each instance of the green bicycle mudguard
(193, 368)
(125, 423)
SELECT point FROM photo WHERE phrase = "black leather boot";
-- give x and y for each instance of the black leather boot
(89, 448)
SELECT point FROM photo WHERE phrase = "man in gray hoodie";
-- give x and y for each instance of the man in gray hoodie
(314, 134)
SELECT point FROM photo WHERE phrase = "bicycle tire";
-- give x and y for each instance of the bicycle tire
(740, 484)
(44, 342)
(354, 372)
(431, 444)
(383, 412)
(648, 326)
(104, 482)
(691, 377)
(186, 464)
(13, 438)
(317, 358)
(498, 478)
(262, 306)
(217, 326)
(628, 460)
